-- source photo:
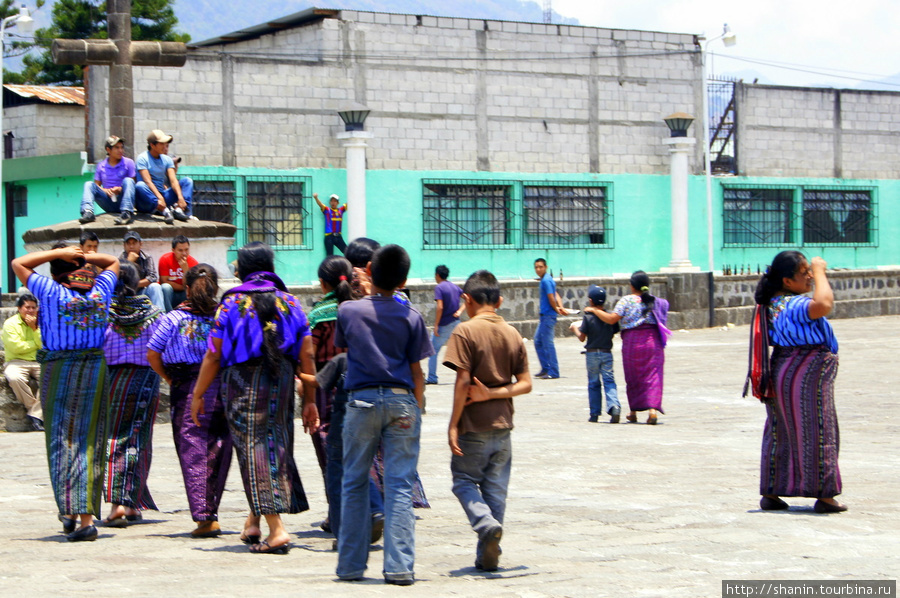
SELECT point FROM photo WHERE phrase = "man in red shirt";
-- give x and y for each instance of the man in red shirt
(172, 267)
(334, 220)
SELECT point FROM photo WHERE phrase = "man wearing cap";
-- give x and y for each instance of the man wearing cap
(149, 283)
(159, 189)
(113, 185)
(334, 220)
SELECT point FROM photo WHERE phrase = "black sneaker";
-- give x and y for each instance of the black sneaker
(124, 218)
(403, 581)
(180, 215)
(593, 419)
(36, 424)
(614, 415)
(87, 216)
(489, 558)
(167, 216)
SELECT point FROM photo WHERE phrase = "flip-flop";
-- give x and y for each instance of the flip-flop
(264, 548)
(250, 539)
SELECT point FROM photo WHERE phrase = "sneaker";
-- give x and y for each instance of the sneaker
(614, 415)
(124, 218)
(180, 215)
(593, 419)
(489, 542)
(87, 216)
(36, 424)
(377, 527)
(167, 217)
(403, 581)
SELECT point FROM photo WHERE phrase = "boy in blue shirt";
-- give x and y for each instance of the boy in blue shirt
(598, 355)
(385, 341)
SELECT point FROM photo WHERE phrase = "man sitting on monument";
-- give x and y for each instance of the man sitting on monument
(172, 268)
(113, 185)
(159, 189)
(149, 282)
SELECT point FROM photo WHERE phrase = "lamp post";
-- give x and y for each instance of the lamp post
(354, 137)
(25, 25)
(680, 147)
(729, 39)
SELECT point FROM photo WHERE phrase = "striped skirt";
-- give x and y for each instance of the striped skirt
(73, 386)
(643, 359)
(801, 438)
(133, 401)
(204, 451)
(260, 412)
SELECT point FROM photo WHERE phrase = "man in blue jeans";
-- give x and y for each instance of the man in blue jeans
(446, 316)
(599, 359)
(159, 189)
(551, 306)
(113, 185)
(385, 341)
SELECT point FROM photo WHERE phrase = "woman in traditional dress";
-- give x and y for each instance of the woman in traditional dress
(133, 400)
(74, 310)
(642, 320)
(175, 352)
(260, 337)
(800, 439)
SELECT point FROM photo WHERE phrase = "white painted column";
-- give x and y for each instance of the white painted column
(679, 150)
(355, 217)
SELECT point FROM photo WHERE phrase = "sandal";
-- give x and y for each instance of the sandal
(631, 417)
(207, 529)
(264, 548)
(250, 539)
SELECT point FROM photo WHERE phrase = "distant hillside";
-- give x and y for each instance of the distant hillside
(204, 19)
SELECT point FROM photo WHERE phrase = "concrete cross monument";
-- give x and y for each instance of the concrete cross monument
(120, 54)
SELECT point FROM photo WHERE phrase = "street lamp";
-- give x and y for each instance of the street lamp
(354, 137)
(729, 39)
(25, 25)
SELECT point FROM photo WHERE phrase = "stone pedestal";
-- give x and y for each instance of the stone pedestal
(679, 149)
(210, 241)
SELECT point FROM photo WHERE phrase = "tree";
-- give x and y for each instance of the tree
(86, 19)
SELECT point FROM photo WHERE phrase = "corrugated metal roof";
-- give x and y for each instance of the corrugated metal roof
(55, 95)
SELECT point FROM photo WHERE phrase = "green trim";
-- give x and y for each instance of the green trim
(45, 167)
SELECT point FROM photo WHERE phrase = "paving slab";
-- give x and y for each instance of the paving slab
(594, 509)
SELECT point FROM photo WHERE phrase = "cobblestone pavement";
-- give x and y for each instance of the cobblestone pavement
(594, 509)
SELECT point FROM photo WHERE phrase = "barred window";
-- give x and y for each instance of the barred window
(214, 200)
(565, 215)
(467, 213)
(758, 216)
(837, 216)
(20, 200)
(276, 212)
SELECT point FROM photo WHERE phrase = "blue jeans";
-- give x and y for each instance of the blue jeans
(145, 201)
(94, 193)
(544, 347)
(334, 469)
(437, 342)
(481, 477)
(171, 297)
(392, 418)
(155, 292)
(600, 373)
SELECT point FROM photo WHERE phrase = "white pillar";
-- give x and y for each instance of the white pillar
(679, 150)
(355, 143)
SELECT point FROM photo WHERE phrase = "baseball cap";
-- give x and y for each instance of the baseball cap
(132, 234)
(334, 196)
(157, 136)
(112, 140)
(597, 295)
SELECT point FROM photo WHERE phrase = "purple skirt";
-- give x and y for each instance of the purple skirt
(643, 359)
(801, 439)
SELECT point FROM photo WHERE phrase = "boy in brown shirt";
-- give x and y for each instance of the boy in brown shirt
(487, 353)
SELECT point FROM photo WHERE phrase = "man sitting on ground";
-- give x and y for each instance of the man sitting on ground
(113, 185)
(21, 341)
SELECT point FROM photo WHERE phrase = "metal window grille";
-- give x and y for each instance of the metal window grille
(759, 216)
(559, 214)
(20, 200)
(214, 199)
(276, 212)
(467, 213)
(722, 130)
(838, 216)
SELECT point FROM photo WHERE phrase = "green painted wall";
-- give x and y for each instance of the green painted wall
(640, 217)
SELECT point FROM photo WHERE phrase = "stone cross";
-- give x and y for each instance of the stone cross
(120, 54)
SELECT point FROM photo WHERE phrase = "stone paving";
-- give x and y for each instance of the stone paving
(594, 509)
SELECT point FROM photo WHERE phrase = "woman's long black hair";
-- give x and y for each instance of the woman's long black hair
(641, 282)
(129, 278)
(203, 281)
(784, 265)
(259, 257)
(337, 272)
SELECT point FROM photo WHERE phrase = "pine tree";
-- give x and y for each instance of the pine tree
(86, 19)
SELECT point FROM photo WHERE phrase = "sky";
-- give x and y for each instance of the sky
(846, 44)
